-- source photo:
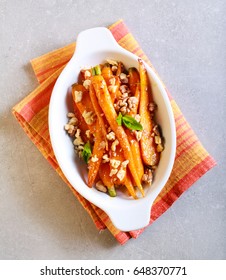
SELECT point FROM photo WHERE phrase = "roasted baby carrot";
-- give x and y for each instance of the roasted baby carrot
(148, 147)
(101, 118)
(97, 154)
(135, 148)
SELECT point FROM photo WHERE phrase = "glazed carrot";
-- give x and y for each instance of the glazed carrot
(134, 79)
(83, 102)
(104, 172)
(112, 81)
(106, 72)
(148, 147)
(135, 148)
(102, 120)
(134, 85)
(129, 185)
(107, 106)
(97, 154)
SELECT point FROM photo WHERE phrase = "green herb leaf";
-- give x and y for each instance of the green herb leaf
(131, 123)
(86, 153)
(119, 119)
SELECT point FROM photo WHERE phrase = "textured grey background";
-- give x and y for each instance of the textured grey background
(186, 42)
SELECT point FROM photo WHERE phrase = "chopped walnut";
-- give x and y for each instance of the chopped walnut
(158, 139)
(88, 133)
(112, 89)
(112, 81)
(114, 144)
(138, 134)
(105, 158)
(112, 62)
(70, 127)
(148, 176)
(125, 163)
(78, 140)
(89, 117)
(100, 187)
(113, 172)
(132, 102)
(114, 68)
(152, 106)
(87, 74)
(87, 83)
(73, 121)
(123, 78)
(156, 130)
(115, 163)
(70, 115)
(78, 95)
(121, 174)
(111, 136)
(137, 117)
(94, 158)
(124, 88)
(159, 148)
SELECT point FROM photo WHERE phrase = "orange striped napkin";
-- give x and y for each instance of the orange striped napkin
(192, 160)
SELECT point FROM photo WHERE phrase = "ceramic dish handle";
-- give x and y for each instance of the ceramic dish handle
(134, 217)
(94, 40)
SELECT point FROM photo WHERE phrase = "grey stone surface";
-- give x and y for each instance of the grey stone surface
(186, 42)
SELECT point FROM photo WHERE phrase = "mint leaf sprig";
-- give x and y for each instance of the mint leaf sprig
(129, 122)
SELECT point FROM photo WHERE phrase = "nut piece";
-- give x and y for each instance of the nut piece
(112, 62)
(148, 176)
(115, 163)
(88, 133)
(156, 130)
(158, 139)
(73, 121)
(152, 106)
(94, 158)
(78, 140)
(112, 81)
(110, 136)
(78, 96)
(100, 187)
(114, 68)
(159, 148)
(89, 117)
(138, 134)
(87, 83)
(132, 102)
(114, 144)
(105, 158)
(112, 89)
(87, 74)
(113, 172)
(125, 163)
(70, 115)
(121, 174)
(123, 78)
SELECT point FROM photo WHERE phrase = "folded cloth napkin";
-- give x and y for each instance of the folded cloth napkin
(192, 160)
